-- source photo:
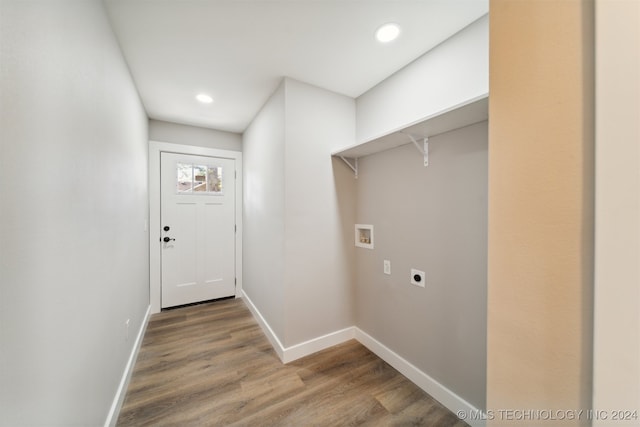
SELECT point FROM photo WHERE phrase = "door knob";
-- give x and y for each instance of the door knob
(167, 239)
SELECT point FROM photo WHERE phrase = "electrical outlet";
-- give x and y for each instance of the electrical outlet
(387, 266)
(417, 277)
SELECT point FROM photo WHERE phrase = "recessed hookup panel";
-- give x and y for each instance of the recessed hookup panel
(364, 236)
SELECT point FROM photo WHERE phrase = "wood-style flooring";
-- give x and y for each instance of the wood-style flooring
(211, 365)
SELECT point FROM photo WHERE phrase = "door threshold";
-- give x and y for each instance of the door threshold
(198, 303)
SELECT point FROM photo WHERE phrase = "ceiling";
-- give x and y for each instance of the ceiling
(238, 51)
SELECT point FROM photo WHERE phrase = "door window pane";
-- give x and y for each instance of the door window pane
(185, 178)
(200, 179)
(214, 179)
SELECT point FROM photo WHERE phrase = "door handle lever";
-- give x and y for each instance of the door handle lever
(167, 239)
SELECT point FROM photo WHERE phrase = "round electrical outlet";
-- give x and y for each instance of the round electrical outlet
(417, 278)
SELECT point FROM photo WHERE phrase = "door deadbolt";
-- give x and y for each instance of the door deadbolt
(166, 228)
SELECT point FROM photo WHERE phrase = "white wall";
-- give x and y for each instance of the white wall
(318, 226)
(264, 207)
(193, 135)
(432, 219)
(617, 269)
(454, 72)
(73, 206)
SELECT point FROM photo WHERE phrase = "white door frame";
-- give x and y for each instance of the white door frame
(155, 148)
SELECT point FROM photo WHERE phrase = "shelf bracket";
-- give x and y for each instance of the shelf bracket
(353, 166)
(424, 150)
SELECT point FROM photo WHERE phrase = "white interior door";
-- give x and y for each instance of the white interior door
(198, 228)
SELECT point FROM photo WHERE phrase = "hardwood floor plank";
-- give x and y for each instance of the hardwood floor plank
(211, 365)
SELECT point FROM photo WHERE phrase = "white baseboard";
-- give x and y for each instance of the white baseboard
(114, 411)
(297, 351)
(317, 344)
(271, 336)
(442, 394)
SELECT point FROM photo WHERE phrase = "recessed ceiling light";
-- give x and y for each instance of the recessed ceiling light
(204, 98)
(388, 33)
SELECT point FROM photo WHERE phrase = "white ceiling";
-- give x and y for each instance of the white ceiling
(238, 50)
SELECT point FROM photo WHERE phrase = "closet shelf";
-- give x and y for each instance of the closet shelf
(474, 111)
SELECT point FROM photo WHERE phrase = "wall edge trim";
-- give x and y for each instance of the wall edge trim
(118, 399)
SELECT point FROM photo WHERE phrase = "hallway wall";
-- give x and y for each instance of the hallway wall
(297, 261)
(263, 215)
(177, 133)
(318, 224)
(73, 210)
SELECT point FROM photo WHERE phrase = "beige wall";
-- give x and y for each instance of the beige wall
(617, 280)
(432, 219)
(540, 205)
